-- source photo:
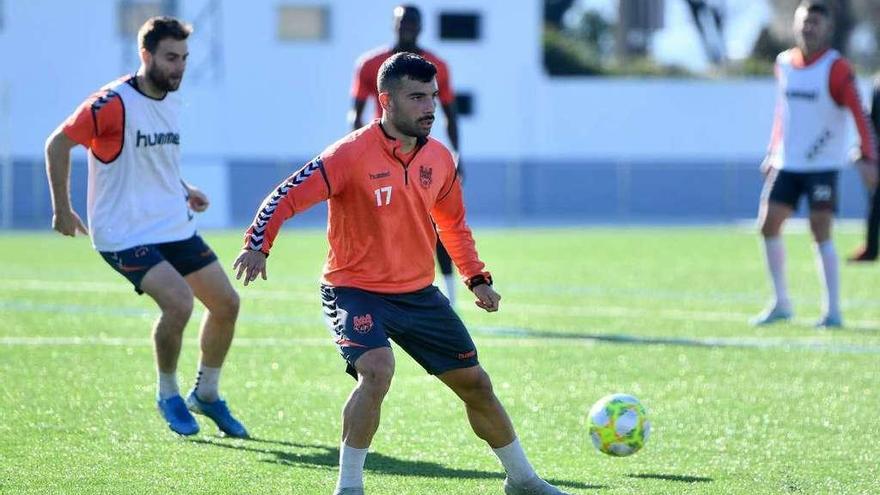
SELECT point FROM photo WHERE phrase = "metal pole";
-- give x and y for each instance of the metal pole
(6, 204)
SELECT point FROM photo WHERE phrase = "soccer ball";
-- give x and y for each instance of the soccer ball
(619, 425)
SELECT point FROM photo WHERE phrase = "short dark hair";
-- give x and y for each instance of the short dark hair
(404, 64)
(158, 28)
(408, 10)
(816, 7)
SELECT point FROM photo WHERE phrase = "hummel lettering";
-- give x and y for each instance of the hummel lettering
(380, 175)
(801, 94)
(157, 138)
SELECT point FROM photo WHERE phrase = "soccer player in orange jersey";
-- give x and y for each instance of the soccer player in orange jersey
(141, 220)
(816, 95)
(387, 184)
(407, 27)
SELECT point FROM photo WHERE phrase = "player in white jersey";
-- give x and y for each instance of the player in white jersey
(140, 216)
(816, 92)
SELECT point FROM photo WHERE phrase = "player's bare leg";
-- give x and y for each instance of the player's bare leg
(490, 422)
(487, 416)
(212, 287)
(175, 300)
(771, 217)
(867, 253)
(360, 416)
(826, 258)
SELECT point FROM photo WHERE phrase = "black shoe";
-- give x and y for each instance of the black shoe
(863, 255)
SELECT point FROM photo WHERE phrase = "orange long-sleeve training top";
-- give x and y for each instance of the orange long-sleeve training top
(382, 207)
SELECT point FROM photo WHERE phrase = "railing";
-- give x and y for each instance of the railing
(503, 192)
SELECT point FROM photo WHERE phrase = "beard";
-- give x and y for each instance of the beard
(415, 128)
(162, 81)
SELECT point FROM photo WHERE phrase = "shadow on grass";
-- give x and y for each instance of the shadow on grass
(672, 477)
(322, 456)
(711, 343)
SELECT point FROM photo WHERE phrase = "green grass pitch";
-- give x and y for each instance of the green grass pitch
(659, 313)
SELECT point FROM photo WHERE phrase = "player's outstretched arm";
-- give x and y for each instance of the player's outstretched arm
(64, 219)
(250, 263)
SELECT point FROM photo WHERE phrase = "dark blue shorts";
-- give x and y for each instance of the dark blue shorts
(422, 323)
(785, 187)
(186, 256)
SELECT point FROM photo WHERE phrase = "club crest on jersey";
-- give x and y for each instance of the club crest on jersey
(363, 324)
(425, 176)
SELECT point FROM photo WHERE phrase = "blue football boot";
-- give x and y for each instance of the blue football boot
(219, 413)
(830, 321)
(174, 411)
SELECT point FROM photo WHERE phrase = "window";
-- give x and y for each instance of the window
(459, 26)
(464, 104)
(133, 15)
(302, 23)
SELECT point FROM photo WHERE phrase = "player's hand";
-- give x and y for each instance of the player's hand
(487, 298)
(197, 200)
(68, 223)
(250, 263)
(868, 171)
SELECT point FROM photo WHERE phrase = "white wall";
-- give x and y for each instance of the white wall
(284, 99)
(653, 119)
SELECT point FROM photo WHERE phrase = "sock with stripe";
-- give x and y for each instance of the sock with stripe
(207, 383)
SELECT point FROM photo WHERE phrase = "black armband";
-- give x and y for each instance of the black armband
(479, 279)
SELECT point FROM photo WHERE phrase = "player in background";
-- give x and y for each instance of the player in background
(407, 27)
(815, 92)
(868, 252)
(387, 184)
(140, 215)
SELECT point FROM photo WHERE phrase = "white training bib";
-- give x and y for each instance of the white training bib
(814, 126)
(138, 197)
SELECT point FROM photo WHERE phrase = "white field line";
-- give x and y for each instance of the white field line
(487, 336)
(567, 310)
(46, 341)
(579, 291)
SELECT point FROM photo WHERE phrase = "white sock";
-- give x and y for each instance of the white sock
(829, 275)
(774, 252)
(168, 385)
(351, 467)
(207, 383)
(513, 458)
(450, 281)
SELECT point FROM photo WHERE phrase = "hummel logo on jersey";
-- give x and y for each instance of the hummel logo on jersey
(157, 138)
(801, 94)
(380, 175)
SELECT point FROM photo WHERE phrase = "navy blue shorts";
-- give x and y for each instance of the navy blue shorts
(186, 256)
(422, 323)
(785, 187)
